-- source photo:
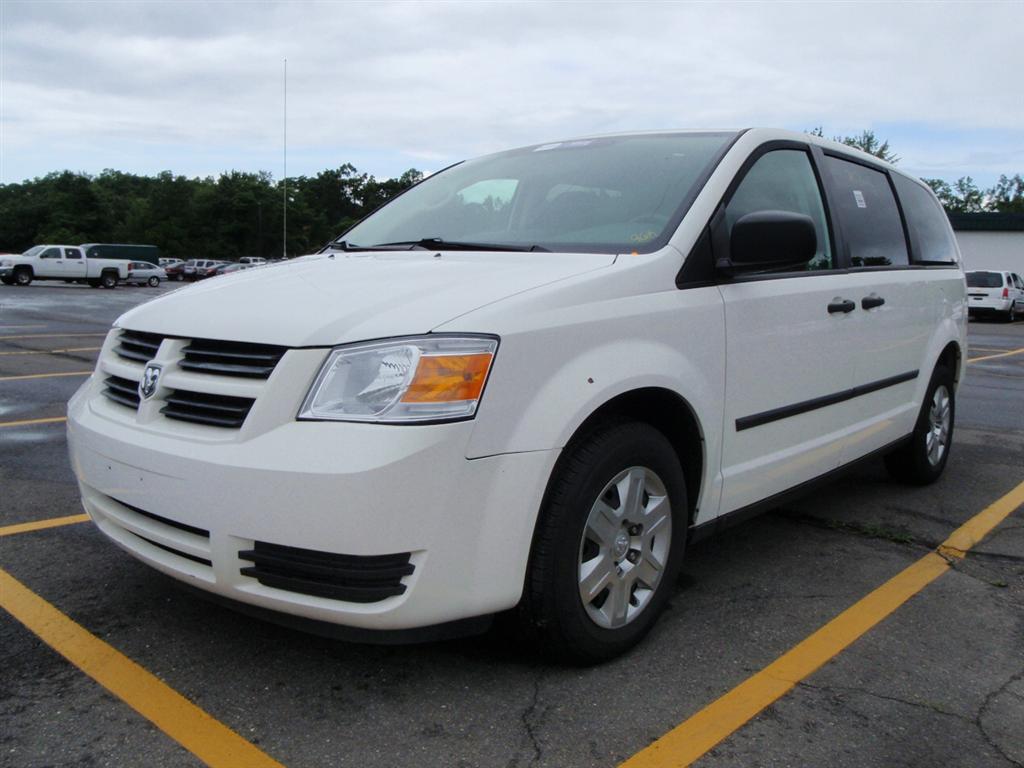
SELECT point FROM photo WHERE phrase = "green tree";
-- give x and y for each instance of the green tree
(866, 141)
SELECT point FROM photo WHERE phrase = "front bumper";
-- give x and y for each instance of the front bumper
(189, 507)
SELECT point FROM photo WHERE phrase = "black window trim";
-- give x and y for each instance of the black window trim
(887, 172)
(698, 271)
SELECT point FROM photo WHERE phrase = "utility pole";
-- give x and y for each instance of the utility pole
(284, 202)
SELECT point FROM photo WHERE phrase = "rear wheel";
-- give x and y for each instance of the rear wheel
(108, 280)
(609, 544)
(154, 281)
(22, 276)
(922, 460)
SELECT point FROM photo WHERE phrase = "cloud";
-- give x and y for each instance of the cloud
(427, 83)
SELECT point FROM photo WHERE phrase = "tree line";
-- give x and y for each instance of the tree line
(241, 214)
(225, 217)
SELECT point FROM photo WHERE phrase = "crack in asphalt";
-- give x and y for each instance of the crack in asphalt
(529, 726)
(981, 713)
(975, 721)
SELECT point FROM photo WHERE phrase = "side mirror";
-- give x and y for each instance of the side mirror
(769, 240)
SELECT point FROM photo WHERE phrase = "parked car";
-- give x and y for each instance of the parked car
(528, 382)
(61, 262)
(255, 260)
(227, 269)
(175, 271)
(209, 270)
(144, 273)
(995, 293)
(196, 269)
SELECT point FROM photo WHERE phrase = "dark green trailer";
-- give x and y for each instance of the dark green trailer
(128, 252)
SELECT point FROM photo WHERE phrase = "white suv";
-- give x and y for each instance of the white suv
(528, 382)
(995, 293)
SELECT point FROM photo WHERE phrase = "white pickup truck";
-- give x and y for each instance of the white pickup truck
(61, 262)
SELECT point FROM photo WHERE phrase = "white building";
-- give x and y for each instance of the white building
(990, 240)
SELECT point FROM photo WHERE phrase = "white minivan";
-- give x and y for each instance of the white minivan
(527, 383)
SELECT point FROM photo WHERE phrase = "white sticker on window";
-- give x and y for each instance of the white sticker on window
(859, 197)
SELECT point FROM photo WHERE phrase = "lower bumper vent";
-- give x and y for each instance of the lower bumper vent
(355, 578)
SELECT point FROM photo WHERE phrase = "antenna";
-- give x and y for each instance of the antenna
(284, 201)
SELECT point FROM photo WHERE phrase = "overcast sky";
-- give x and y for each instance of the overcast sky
(196, 87)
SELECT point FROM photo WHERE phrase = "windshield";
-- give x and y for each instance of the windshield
(605, 195)
(35, 250)
(984, 280)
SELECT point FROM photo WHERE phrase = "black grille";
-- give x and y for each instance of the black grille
(138, 346)
(203, 408)
(123, 391)
(231, 358)
(355, 578)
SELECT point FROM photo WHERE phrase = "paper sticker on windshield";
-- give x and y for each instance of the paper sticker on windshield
(859, 197)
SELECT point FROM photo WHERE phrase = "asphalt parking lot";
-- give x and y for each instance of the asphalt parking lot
(935, 680)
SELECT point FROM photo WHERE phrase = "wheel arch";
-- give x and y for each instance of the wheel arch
(669, 413)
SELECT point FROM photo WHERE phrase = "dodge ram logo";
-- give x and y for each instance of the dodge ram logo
(150, 379)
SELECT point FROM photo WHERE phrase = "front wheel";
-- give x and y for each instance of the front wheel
(609, 544)
(22, 277)
(153, 281)
(923, 458)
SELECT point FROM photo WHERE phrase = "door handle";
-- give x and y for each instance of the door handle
(872, 301)
(841, 305)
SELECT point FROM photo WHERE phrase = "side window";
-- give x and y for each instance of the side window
(72, 253)
(930, 233)
(783, 180)
(1020, 282)
(50, 253)
(867, 209)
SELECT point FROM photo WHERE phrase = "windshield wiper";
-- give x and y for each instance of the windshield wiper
(439, 244)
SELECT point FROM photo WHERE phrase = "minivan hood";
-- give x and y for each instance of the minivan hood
(338, 298)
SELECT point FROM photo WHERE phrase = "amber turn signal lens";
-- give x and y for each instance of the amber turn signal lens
(448, 378)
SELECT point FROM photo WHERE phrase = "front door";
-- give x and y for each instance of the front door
(788, 347)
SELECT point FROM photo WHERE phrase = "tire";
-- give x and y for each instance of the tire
(574, 541)
(154, 281)
(23, 276)
(9, 280)
(108, 280)
(919, 462)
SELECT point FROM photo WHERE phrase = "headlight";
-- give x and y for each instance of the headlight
(415, 379)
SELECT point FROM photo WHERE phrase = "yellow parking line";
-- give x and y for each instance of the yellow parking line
(700, 733)
(208, 739)
(44, 375)
(51, 335)
(51, 351)
(30, 422)
(992, 357)
(39, 525)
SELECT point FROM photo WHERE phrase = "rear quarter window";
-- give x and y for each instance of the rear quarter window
(867, 213)
(930, 235)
